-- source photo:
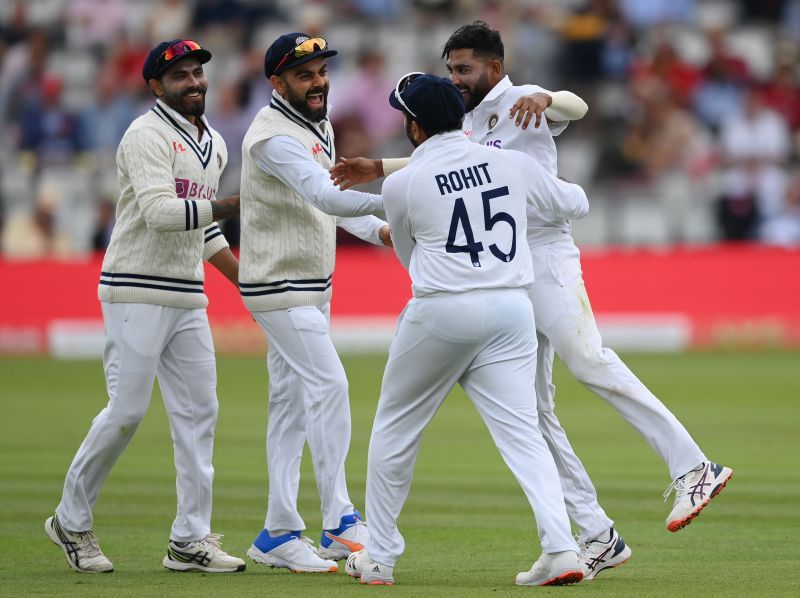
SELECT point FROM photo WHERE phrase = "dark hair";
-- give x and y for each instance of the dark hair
(479, 38)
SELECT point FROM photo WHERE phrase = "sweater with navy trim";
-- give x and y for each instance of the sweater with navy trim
(164, 228)
(288, 246)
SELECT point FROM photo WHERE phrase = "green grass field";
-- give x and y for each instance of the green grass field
(467, 525)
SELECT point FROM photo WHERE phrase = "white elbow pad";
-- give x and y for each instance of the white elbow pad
(566, 106)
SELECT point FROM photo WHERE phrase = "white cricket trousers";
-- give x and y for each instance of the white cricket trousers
(308, 401)
(484, 341)
(565, 324)
(144, 342)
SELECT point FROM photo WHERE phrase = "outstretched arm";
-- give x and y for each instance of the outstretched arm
(557, 106)
(287, 160)
(356, 171)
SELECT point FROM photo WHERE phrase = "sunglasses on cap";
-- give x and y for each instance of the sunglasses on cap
(311, 45)
(401, 86)
(177, 49)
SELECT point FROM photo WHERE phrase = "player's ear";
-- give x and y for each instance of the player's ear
(417, 133)
(278, 83)
(155, 87)
(496, 70)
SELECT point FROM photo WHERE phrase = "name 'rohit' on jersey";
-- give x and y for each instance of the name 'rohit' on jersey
(464, 178)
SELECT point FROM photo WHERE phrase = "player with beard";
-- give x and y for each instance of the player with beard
(288, 243)
(151, 291)
(565, 324)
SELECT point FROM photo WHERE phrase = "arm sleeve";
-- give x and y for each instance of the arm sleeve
(288, 161)
(565, 106)
(549, 193)
(395, 194)
(391, 165)
(365, 228)
(215, 241)
(148, 164)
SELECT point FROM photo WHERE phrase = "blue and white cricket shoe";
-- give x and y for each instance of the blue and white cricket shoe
(289, 551)
(694, 491)
(600, 554)
(351, 536)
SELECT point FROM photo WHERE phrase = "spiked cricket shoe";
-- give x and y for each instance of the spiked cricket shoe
(351, 536)
(598, 555)
(81, 548)
(204, 555)
(369, 572)
(694, 491)
(289, 551)
(552, 569)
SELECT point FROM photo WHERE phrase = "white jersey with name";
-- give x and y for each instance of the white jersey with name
(489, 124)
(458, 214)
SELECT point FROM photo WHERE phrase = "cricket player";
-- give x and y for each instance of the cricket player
(565, 323)
(288, 244)
(458, 215)
(151, 291)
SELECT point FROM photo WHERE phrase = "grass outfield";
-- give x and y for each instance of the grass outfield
(467, 525)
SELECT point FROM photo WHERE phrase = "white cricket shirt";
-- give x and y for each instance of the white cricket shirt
(489, 124)
(458, 213)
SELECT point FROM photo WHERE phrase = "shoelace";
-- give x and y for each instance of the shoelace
(679, 486)
(214, 539)
(581, 544)
(87, 542)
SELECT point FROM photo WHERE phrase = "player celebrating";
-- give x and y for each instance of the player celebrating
(474, 55)
(151, 292)
(288, 245)
(457, 213)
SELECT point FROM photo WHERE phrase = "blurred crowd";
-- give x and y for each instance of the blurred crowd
(692, 134)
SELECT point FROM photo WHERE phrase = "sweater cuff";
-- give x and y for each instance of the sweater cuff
(215, 242)
(204, 214)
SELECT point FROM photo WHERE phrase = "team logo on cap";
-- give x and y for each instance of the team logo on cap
(301, 39)
(493, 120)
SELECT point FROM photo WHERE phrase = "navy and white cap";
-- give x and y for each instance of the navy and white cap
(165, 54)
(293, 49)
(429, 99)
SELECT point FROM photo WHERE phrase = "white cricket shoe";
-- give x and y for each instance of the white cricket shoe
(203, 555)
(552, 569)
(289, 551)
(369, 572)
(598, 555)
(81, 548)
(351, 536)
(694, 491)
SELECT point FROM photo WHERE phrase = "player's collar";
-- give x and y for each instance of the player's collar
(437, 141)
(502, 86)
(185, 124)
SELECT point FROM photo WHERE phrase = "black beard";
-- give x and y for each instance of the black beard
(299, 103)
(179, 103)
(479, 91)
(409, 135)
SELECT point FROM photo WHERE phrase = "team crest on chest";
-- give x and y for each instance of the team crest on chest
(492, 120)
(219, 160)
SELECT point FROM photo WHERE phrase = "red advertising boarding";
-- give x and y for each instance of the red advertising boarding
(643, 299)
